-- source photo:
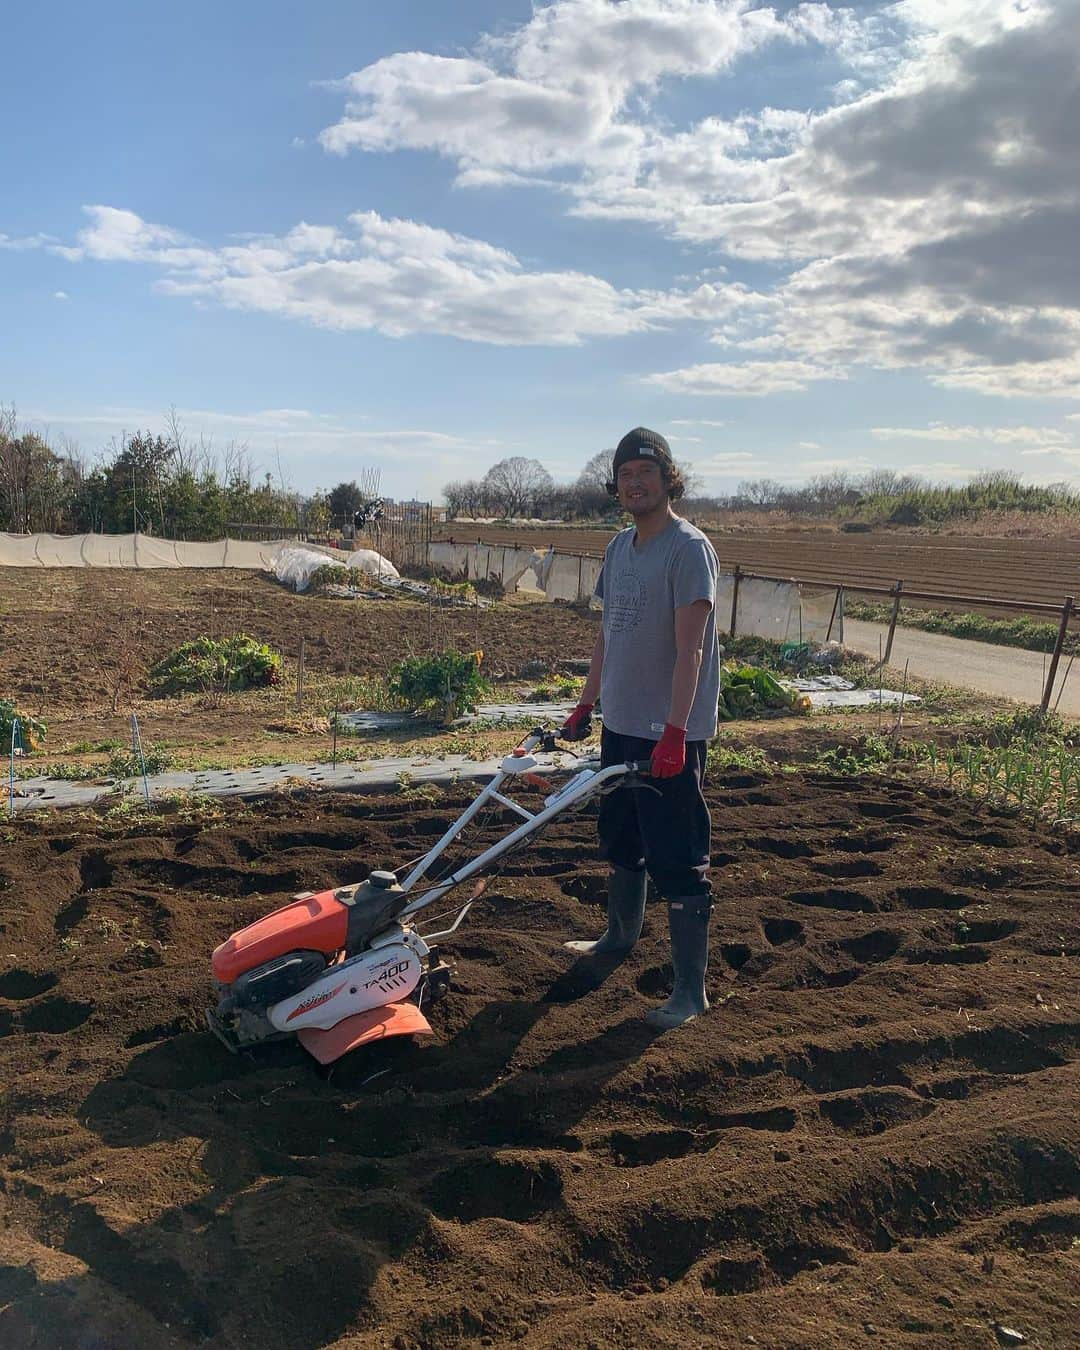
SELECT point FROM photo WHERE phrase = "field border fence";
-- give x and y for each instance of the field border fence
(1065, 612)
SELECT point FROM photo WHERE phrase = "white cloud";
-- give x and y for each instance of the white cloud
(921, 214)
(556, 91)
(809, 445)
(399, 277)
(727, 462)
(942, 431)
(60, 295)
(21, 245)
(115, 235)
(262, 427)
(837, 464)
(696, 422)
(948, 470)
(926, 217)
(745, 379)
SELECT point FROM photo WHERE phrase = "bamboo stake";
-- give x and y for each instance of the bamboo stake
(1066, 613)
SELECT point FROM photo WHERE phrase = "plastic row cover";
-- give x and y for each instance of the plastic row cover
(295, 566)
(132, 550)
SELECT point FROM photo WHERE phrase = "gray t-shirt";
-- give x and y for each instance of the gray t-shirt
(641, 586)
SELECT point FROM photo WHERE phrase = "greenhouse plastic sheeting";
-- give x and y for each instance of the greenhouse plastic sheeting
(454, 557)
(478, 562)
(779, 610)
(819, 607)
(514, 563)
(137, 550)
(561, 577)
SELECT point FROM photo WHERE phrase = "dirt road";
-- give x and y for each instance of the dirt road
(1008, 672)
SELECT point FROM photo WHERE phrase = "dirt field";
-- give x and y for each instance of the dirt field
(873, 1139)
(76, 643)
(77, 631)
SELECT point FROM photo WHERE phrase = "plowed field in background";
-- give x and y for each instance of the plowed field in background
(1044, 571)
(873, 1138)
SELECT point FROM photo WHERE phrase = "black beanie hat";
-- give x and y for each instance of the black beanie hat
(641, 443)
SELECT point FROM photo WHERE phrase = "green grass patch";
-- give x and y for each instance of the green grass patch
(93, 747)
(1034, 635)
(557, 690)
(722, 757)
(337, 574)
(126, 764)
(351, 693)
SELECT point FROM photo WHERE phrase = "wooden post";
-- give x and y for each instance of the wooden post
(300, 679)
(1066, 614)
(734, 599)
(892, 623)
(832, 616)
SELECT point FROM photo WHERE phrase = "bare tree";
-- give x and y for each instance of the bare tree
(691, 478)
(518, 485)
(597, 471)
(763, 492)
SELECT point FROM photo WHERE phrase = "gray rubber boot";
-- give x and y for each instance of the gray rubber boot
(688, 919)
(625, 915)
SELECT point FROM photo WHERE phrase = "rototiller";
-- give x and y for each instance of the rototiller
(348, 966)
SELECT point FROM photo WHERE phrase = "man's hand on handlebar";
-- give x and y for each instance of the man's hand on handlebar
(578, 725)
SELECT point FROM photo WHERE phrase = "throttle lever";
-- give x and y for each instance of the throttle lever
(636, 768)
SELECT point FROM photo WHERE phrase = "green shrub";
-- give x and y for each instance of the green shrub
(226, 664)
(869, 754)
(722, 757)
(441, 686)
(126, 764)
(32, 731)
(337, 574)
(1035, 635)
(453, 590)
(748, 690)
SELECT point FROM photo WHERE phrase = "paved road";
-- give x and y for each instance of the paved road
(1009, 672)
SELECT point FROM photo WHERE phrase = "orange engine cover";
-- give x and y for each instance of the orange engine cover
(315, 923)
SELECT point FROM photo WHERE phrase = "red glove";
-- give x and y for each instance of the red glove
(579, 724)
(669, 757)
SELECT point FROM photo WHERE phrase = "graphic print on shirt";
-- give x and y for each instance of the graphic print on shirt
(627, 603)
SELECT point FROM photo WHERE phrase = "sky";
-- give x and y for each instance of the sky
(423, 236)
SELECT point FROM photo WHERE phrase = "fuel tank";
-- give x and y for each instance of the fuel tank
(343, 919)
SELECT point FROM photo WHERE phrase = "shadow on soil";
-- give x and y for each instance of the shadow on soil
(325, 1181)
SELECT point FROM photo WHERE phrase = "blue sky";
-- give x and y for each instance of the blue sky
(425, 236)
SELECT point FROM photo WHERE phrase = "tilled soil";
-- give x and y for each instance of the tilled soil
(1039, 569)
(78, 635)
(873, 1138)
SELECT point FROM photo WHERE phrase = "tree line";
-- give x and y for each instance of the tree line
(163, 484)
(885, 497)
(520, 487)
(172, 486)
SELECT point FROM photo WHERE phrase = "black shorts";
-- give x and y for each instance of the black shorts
(669, 833)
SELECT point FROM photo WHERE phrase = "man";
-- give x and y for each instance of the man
(656, 669)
